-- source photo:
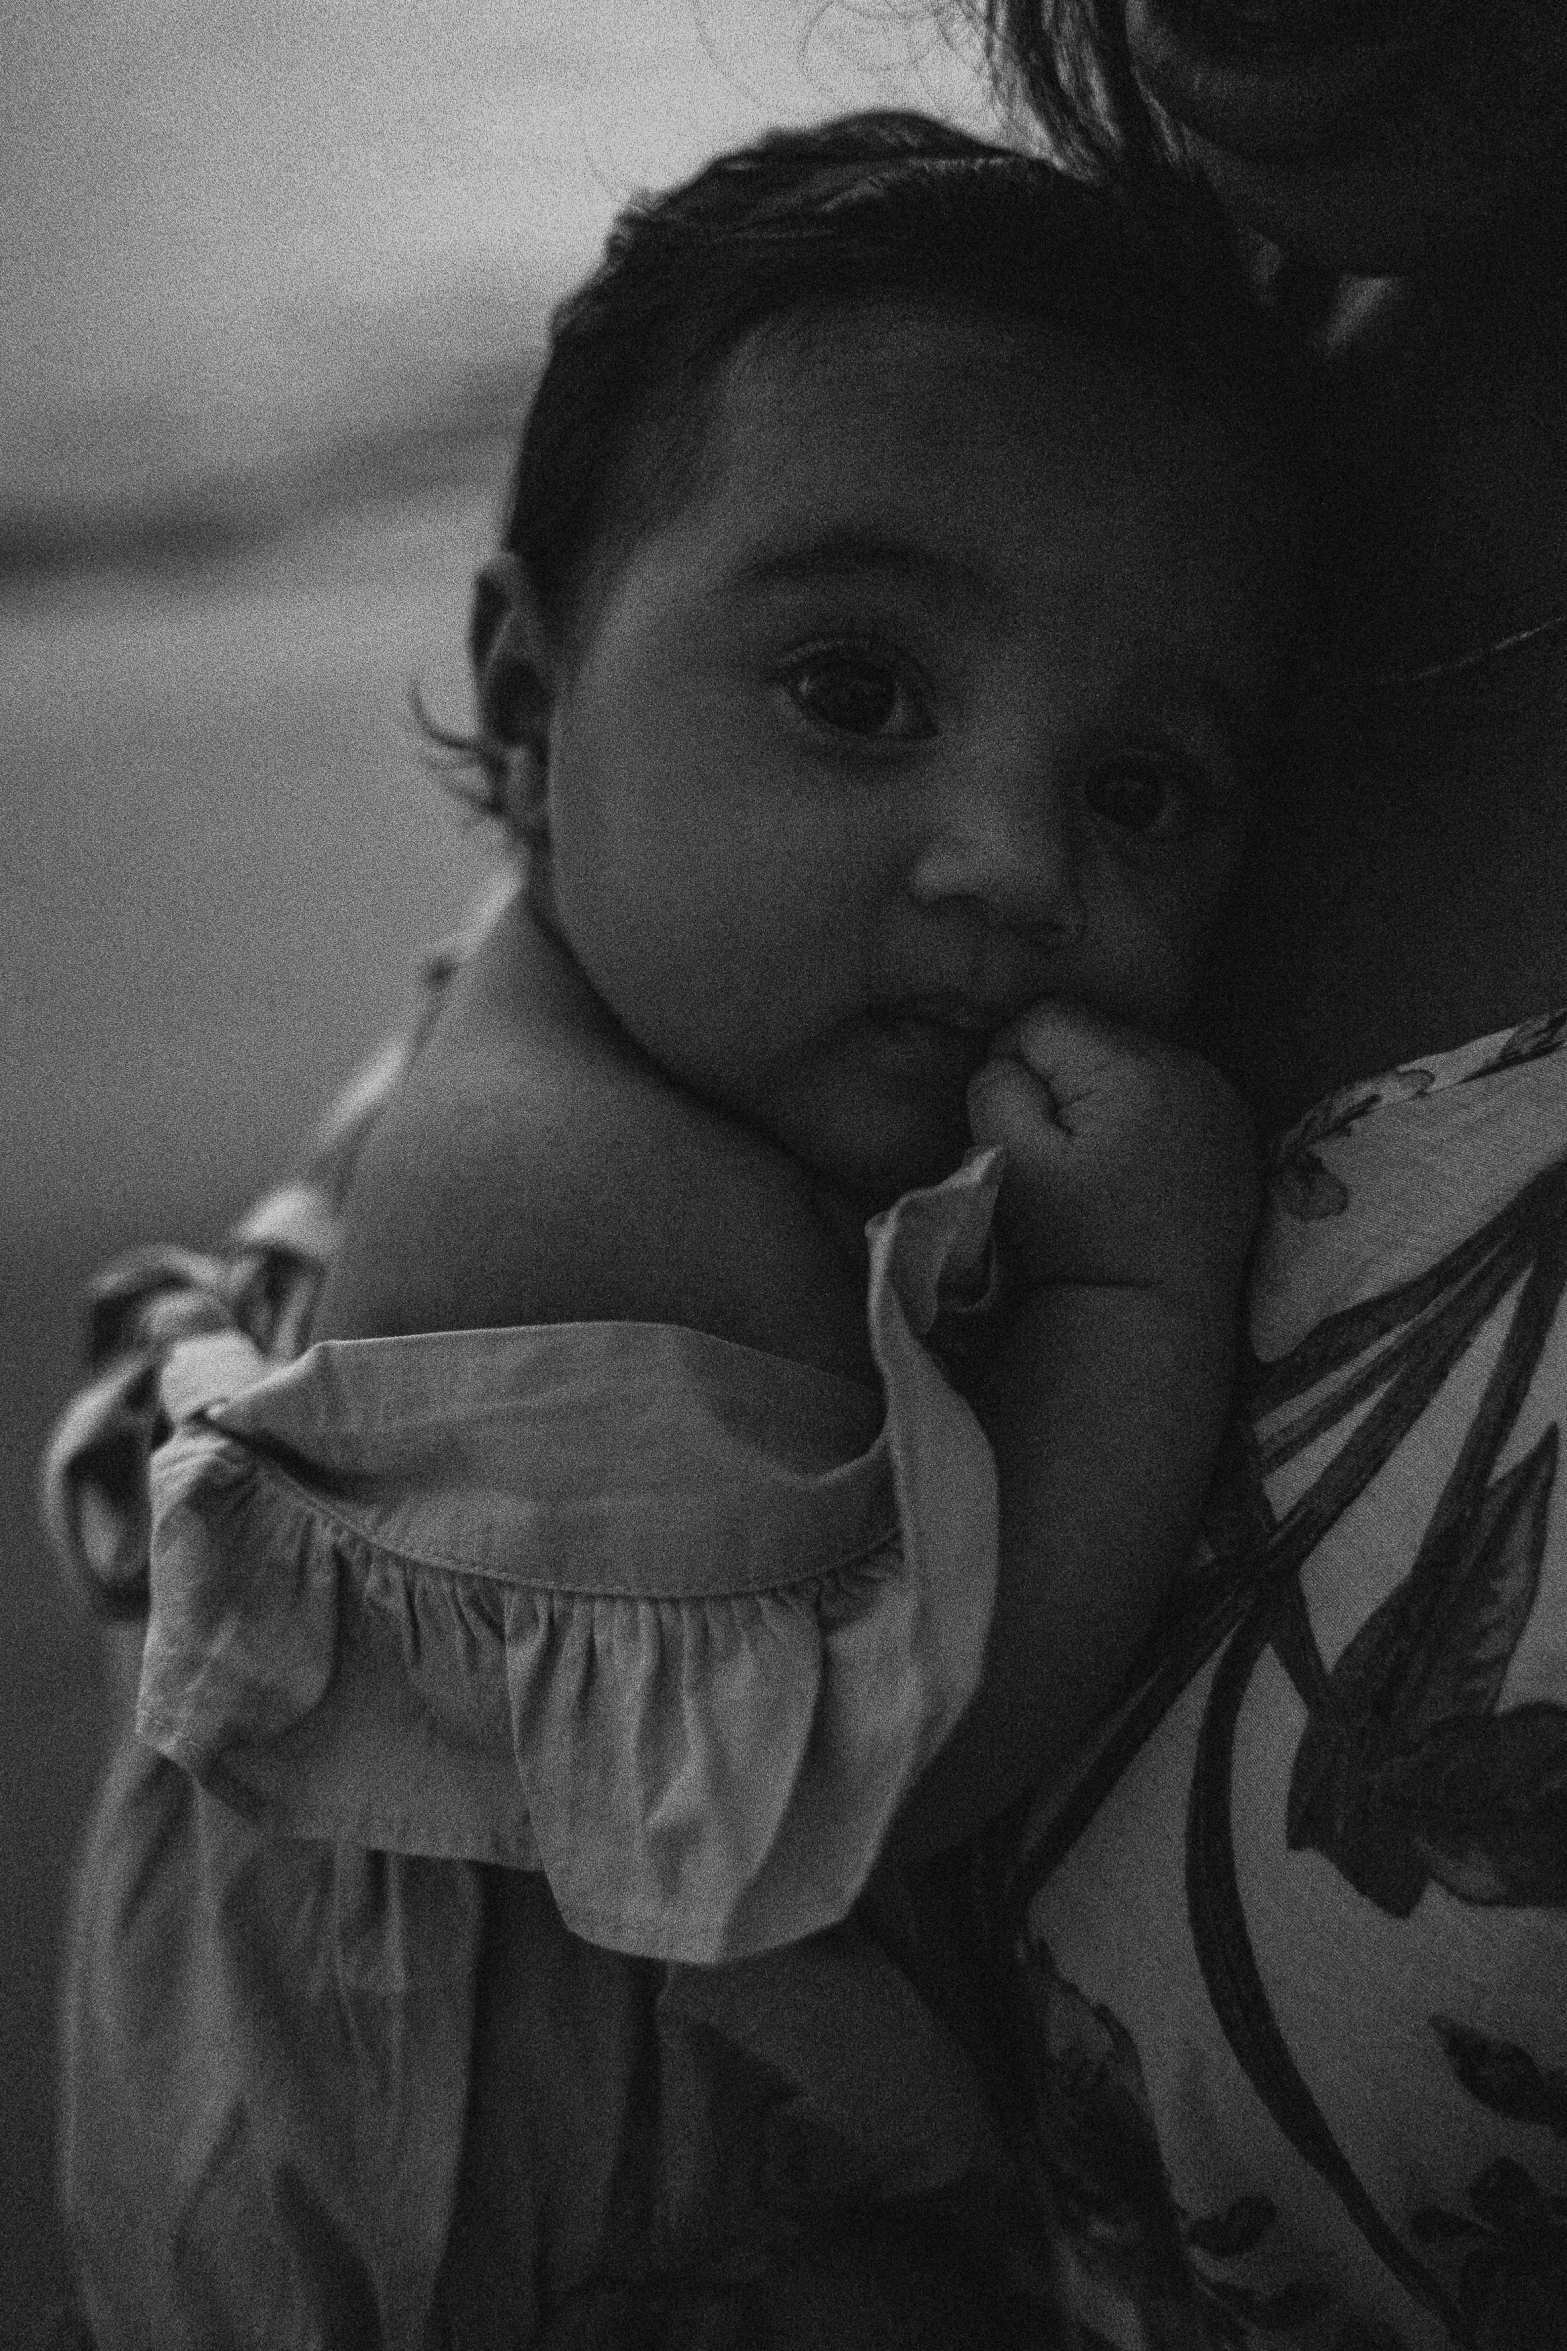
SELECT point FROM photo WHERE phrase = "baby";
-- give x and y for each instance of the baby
(687, 1502)
(890, 607)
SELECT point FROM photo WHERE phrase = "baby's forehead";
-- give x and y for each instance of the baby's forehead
(1004, 453)
(913, 397)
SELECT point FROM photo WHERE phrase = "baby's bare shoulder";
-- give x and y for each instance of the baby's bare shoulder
(494, 1188)
(448, 1221)
(535, 1168)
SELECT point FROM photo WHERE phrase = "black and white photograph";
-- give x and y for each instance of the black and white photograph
(783, 1220)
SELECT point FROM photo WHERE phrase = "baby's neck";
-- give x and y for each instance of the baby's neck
(537, 1167)
(559, 987)
(545, 981)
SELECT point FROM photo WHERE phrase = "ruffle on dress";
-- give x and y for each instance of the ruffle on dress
(674, 1621)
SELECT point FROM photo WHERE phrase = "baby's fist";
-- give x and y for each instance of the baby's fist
(1129, 1160)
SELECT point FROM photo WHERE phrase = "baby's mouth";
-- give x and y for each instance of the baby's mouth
(943, 1035)
(950, 1012)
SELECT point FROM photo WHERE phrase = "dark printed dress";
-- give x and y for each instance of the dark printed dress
(1294, 1932)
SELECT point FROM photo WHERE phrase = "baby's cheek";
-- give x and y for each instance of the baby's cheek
(1159, 959)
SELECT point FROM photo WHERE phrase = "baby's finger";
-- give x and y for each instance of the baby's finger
(1008, 1104)
(1074, 1051)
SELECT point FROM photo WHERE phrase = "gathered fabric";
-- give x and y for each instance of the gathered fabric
(676, 1622)
(471, 1923)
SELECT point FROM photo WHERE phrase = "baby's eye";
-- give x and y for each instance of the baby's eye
(857, 694)
(1144, 796)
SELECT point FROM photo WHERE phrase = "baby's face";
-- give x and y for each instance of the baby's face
(934, 699)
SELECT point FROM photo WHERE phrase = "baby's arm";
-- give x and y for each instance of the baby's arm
(1126, 1213)
(535, 1168)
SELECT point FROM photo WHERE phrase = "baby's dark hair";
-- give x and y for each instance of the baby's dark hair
(871, 208)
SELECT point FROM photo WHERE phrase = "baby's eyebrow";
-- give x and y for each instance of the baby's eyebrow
(843, 552)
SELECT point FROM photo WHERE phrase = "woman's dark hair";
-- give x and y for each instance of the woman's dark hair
(1066, 64)
(877, 207)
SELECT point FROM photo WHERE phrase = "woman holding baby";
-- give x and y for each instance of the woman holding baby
(1306, 1935)
(1266, 1981)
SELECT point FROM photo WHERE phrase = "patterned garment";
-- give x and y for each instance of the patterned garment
(1292, 1934)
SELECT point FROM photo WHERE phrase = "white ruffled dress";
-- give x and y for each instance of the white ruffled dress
(651, 1631)
(676, 1622)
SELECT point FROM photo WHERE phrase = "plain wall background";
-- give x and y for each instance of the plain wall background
(274, 283)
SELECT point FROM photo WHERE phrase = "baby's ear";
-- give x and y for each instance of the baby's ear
(509, 646)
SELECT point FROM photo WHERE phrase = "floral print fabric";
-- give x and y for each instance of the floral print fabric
(1292, 1934)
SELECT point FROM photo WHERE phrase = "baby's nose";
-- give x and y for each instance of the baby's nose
(1008, 851)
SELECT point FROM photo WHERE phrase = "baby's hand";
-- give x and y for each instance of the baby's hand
(1129, 1161)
